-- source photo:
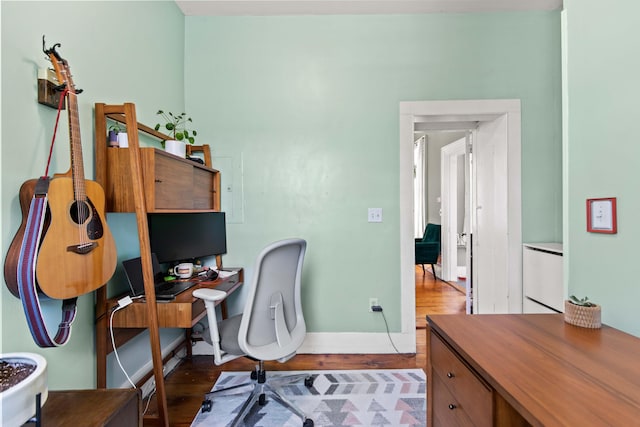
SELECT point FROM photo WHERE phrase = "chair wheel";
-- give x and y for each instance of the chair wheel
(254, 375)
(206, 405)
(262, 400)
(307, 423)
(308, 382)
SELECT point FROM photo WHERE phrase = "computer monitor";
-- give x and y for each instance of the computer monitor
(176, 237)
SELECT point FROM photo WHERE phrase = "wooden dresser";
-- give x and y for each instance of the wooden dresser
(105, 408)
(530, 369)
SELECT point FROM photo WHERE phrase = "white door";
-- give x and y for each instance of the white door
(490, 222)
(469, 204)
(456, 161)
(450, 163)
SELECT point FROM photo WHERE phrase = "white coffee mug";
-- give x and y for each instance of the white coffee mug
(183, 270)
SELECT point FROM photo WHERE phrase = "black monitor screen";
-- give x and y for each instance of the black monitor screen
(187, 236)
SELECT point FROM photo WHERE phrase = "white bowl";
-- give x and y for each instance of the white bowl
(18, 403)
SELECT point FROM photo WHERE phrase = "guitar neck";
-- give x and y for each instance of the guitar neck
(77, 167)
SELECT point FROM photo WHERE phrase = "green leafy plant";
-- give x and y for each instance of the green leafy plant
(114, 130)
(176, 124)
(116, 127)
(584, 302)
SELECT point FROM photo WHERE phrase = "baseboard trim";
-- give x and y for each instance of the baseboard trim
(343, 343)
(150, 385)
(168, 366)
(358, 343)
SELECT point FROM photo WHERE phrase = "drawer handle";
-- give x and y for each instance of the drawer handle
(452, 406)
(450, 375)
(157, 180)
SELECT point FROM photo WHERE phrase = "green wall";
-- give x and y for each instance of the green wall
(118, 52)
(305, 109)
(603, 86)
(309, 104)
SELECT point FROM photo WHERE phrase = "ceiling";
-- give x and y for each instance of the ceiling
(355, 7)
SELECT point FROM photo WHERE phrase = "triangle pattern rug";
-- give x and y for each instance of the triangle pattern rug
(375, 397)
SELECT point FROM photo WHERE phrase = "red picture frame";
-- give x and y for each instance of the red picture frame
(602, 215)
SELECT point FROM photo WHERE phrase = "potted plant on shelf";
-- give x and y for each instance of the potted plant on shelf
(176, 125)
(114, 130)
(582, 312)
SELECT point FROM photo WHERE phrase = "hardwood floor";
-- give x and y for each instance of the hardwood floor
(435, 297)
(194, 377)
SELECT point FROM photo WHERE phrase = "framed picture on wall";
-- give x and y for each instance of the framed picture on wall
(601, 215)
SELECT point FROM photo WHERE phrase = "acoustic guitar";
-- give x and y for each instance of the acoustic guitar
(77, 254)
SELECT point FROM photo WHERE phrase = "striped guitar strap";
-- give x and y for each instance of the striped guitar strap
(27, 284)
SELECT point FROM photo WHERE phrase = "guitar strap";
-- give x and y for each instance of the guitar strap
(27, 284)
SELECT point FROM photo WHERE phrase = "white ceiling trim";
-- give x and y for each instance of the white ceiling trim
(356, 7)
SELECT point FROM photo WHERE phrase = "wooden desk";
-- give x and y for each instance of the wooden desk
(109, 408)
(540, 370)
(183, 312)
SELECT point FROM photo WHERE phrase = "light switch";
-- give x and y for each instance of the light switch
(375, 214)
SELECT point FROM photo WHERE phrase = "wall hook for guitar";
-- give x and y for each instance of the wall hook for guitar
(52, 51)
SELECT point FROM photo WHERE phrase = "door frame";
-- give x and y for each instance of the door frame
(450, 112)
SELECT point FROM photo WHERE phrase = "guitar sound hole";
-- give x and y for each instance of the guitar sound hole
(79, 212)
(85, 213)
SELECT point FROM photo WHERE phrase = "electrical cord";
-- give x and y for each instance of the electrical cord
(388, 333)
(105, 314)
(378, 309)
(146, 408)
(122, 303)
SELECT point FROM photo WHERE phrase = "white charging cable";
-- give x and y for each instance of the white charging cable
(122, 303)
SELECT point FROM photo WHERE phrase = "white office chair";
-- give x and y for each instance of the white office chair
(271, 326)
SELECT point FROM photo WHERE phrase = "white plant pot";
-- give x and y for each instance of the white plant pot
(177, 148)
(123, 140)
(18, 402)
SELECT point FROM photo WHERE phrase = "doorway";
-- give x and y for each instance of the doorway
(445, 189)
(440, 190)
(497, 235)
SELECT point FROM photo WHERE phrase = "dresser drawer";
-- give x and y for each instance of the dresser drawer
(471, 394)
(447, 411)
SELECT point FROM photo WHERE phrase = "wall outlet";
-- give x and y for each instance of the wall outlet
(374, 214)
(372, 302)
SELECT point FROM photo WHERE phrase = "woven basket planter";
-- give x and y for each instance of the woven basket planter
(585, 317)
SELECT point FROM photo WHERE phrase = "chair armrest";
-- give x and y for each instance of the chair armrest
(209, 294)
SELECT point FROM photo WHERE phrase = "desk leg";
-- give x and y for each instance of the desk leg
(189, 344)
(223, 309)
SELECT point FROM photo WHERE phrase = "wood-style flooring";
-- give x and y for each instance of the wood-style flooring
(194, 377)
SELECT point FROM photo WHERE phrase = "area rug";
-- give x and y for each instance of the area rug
(395, 397)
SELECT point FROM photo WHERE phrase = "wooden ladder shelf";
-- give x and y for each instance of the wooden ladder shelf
(126, 114)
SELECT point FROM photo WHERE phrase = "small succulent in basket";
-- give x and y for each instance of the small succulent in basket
(176, 124)
(582, 312)
(584, 302)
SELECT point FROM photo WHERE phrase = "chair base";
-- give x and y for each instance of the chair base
(262, 388)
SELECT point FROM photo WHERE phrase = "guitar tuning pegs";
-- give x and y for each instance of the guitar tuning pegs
(79, 91)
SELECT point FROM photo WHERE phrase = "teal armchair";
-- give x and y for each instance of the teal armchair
(428, 248)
